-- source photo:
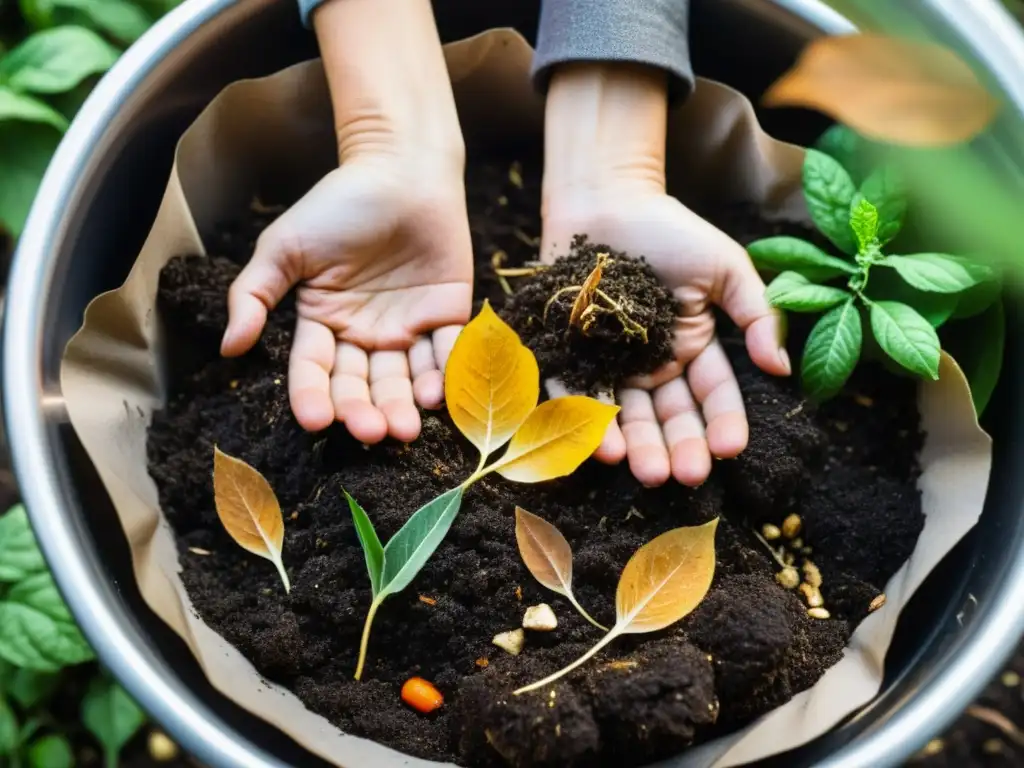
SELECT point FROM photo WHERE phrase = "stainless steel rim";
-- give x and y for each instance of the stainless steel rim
(120, 645)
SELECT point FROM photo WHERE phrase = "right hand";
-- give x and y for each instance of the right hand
(382, 254)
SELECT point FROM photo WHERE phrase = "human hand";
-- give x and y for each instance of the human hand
(610, 186)
(380, 247)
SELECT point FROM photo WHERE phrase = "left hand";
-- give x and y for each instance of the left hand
(673, 421)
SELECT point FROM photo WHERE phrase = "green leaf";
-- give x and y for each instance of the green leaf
(794, 292)
(938, 272)
(864, 222)
(8, 729)
(906, 337)
(36, 629)
(19, 555)
(27, 150)
(842, 144)
(779, 254)
(29, 688)
(832, 351)
(18, 106)
(122, 20)
(53, 751)
(56, 60)
(936, 308)
(7, 673)
(977, 299)
(30, 727)
(829, 192)
(978, 346)
(410, 548)
(372, 549)
(112, 716)
(886, 192)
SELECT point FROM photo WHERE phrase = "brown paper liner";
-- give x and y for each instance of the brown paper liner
(279, 129)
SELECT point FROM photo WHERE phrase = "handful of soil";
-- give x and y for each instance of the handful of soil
(594, 318)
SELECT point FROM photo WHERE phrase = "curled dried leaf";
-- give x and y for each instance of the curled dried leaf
(555, 439)
(663, 581)
(492, 382)
(888, 89)
(248, 509)
(548, 556)
(586, 295)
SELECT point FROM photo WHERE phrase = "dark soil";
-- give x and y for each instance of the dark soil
(848, 468)
(607, 349)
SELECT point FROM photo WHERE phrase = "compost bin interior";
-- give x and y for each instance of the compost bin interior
(128, 190)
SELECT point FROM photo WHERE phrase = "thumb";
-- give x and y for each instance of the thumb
(743, 299)
(269, 275)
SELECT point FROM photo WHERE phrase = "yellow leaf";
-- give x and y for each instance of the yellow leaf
(586, 295)
(491, 382)
(555, 439)
(891, 90)
(248, 509)
(662, 582)
(666, 579)
(548, 556)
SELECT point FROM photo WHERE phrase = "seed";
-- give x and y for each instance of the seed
(510, 642)
(863, 400)
(200, 551)
(770, 532)
(789, 558)
(515, 175)
(811, 574)
(812, 596)
(933, 748)
(877, 603)
(161, 748)
(788, 578)
(427, 600)
(992, 747)
(798, 544)
(519, 594)
(502, 201)
(791, 526)
(1010, 679)
(540, 618)
(818, 613)
(482, 662)
(421, 695)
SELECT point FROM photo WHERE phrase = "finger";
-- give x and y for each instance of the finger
(683, 430)
(444, 339)
(350, 392)
(714, 386)
(391, 392)
(743, 299)
(309, 375)
(645, 446)
(649, 381)
(262, 283)
(427, 380)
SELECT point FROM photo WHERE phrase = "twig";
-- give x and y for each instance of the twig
(999, 721)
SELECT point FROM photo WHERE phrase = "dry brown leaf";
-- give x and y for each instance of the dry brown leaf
(248, 509)
(555, 439)
(888, 89)
(663, 581)
(491, 383)
(548, 556)
(586, 295)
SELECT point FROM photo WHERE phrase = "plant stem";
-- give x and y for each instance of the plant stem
(584, 614)
(366, 635)
(615, 632)
(284, 574)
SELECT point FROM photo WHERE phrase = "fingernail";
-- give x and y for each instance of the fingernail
(784, 359)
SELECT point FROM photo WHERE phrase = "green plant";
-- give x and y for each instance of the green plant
(48, 63)
(905, 297)
(41, 653)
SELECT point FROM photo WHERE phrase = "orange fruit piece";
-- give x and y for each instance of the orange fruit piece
(421, 695)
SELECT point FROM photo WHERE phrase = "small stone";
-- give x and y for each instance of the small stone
(510, 642)
(992, 746)
(1010, 679)
(791, 526)
(540, 618)
(788, 578)
(877, 603)
(811, 595)
(797, 544)
(502, 201)
(933, 747)
(161, 748)
(770, 532)
(863, 400)
(811, 574)
(818, 613)
(200, 551)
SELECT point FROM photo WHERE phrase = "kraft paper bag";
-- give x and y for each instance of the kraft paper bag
(280, 129)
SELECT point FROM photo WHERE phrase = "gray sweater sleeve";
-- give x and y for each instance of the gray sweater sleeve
(653, 32)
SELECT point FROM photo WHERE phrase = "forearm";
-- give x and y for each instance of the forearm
(388, 80)
(605, 127)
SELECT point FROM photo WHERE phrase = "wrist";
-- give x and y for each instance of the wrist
(389, 83)
(605, 129)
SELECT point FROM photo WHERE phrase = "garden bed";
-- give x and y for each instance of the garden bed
(847, 469)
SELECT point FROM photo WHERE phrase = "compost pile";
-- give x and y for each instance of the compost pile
(847, 469)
